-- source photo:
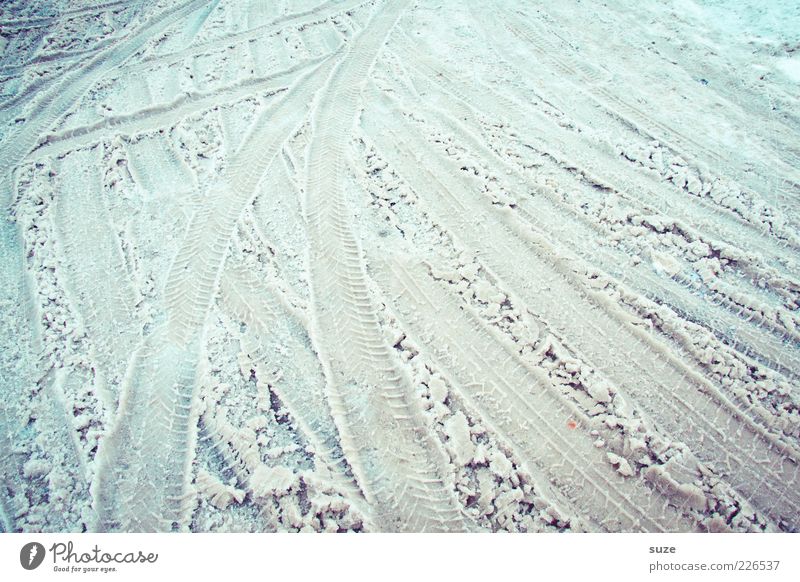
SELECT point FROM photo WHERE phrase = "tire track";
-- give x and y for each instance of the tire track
(135, 490)
(272, 340)
(599, 164)
(159, 116)
(681, 402)
(625, 111)
(45, 20)
(195, 271)
(523, 407)
(463, 97)
(321, 12)
(143, 463)
(759, 339)
(58, 100)
(401, 470)
(153, 164)
(94, 265)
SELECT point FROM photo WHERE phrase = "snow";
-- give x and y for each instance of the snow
(394, 265)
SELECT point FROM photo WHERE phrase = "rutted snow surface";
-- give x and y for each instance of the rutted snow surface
(399, 265)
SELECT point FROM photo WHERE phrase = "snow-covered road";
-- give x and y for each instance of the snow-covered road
(397, 265)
